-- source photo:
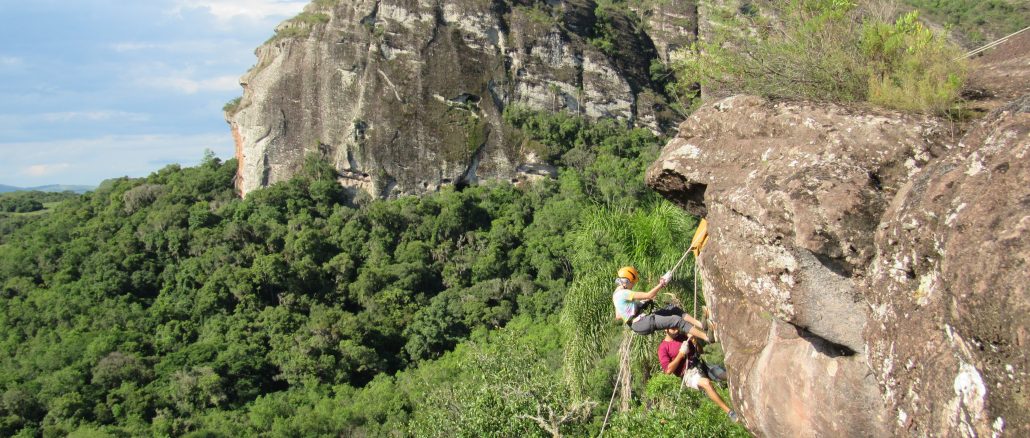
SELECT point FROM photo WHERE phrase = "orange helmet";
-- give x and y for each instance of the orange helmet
(630, 273)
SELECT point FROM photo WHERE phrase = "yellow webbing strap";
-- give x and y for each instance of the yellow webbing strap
(700, 238)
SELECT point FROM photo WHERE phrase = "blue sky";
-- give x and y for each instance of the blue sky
(97, 89)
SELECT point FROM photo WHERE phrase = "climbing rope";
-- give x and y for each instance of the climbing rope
(624, 349)
(992, 45)
(694, 309)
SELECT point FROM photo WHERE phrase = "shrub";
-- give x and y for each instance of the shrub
(232, 106)
(141, 196)
(979, 21)
(299, 26)
(20, 205)
(910, 67)
(829, 50)
(326, 4)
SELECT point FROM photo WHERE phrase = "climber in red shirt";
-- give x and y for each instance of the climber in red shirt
(678, 355)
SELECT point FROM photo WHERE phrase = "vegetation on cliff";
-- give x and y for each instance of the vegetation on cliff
(828, 50)
(978, 21)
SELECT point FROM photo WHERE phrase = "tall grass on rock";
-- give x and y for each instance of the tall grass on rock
(675, 411)
(652, 240)
(826, 50)
(910, 67)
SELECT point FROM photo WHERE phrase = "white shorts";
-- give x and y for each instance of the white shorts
(692, 377)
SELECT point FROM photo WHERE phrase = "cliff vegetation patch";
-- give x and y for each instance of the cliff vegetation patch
(828, 50)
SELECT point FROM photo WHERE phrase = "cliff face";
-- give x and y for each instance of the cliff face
(867, 272)
(406, 95)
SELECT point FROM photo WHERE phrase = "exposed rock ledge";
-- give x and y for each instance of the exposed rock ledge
(868, 273)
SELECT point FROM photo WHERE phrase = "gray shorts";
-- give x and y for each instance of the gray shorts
(668, 317)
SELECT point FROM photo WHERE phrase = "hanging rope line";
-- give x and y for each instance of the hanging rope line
(624, 349)
(680, 262)
(694, 309)
(992, 45)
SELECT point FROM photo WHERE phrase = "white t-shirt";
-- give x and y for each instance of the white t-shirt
(625, 307)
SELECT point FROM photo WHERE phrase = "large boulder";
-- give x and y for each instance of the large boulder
(404, 96)
(866, 270)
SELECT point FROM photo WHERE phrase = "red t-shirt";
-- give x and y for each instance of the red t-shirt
(668, 350)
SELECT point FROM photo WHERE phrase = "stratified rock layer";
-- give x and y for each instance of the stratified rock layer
(406, 95)
(867, 272)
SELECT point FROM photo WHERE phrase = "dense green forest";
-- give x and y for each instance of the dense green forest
(20, 208)
(167, 306)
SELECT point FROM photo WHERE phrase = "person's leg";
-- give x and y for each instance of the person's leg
(698, 333)
(672, 317)
(644, 326)
(706, 385)
(662, 322)
(717, 372)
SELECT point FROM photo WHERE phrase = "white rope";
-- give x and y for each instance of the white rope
(680, 262)
(992, 45)
(694, 309)
(623, 356)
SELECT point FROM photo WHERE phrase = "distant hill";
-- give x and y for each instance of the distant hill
(48, 188)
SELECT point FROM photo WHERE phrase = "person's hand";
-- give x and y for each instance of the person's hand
(666, 278)
(684, 346)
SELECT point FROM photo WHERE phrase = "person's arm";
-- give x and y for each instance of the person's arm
(638, 296)
(675, 363)
(663, 357)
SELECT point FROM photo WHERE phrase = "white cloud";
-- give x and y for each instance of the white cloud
(94, 116)
(192, 86)
(38, 170)
(91, 160)
(203, 46)
(227, 10)
(11, 62)
(189, 80)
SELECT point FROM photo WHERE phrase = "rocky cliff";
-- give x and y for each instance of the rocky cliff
(407, 95)
(867, 271)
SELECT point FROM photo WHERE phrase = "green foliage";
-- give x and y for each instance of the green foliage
(651, 240)
(311, 18)
(613, 20)
(540, 13)
(232, 106)
(980, 21)
(20, 205)
(676, 412)
(911, 67)
(831, 50)
(167, 306)
(508, 386)
(326, 4)
(300, 26)
(607, 159)
(201, 303)
(606, 38)
(30, 201)
(18, 209)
